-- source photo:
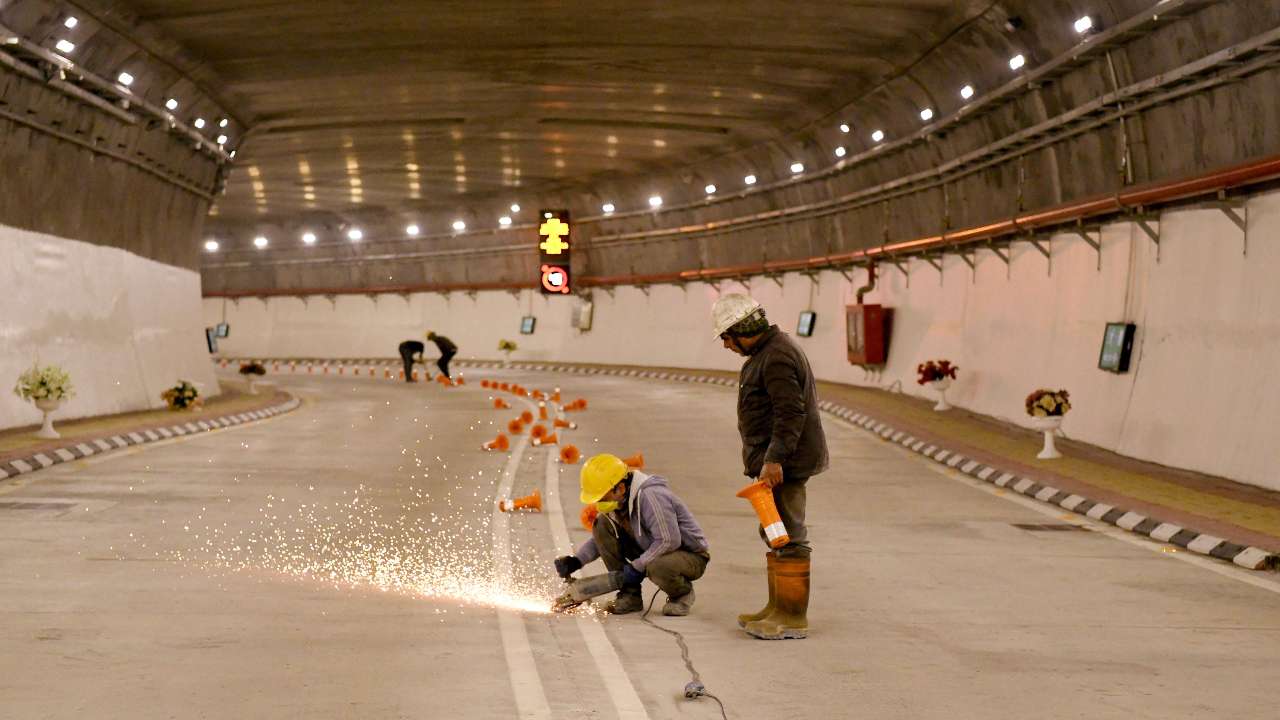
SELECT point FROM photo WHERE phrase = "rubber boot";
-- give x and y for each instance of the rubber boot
(745, 618)
(791, 603)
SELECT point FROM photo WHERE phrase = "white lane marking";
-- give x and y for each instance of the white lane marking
(616, 681)
(531, 700)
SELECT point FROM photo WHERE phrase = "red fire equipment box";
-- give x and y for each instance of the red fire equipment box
(868, 329)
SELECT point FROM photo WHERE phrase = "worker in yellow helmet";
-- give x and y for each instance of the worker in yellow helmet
(644, 530)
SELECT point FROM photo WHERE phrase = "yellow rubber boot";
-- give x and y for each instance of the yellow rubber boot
(745, 618)
(791, 603)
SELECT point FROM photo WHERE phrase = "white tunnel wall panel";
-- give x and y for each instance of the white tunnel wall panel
(1198, 395)
(124, 327)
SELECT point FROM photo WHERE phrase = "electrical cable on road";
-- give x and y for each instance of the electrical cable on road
(694, 689)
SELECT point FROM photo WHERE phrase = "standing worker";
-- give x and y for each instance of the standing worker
(642, 529)
(410, 352)
(447, 351)
(783, 445)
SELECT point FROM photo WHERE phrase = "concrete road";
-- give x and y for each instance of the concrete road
(345, 561)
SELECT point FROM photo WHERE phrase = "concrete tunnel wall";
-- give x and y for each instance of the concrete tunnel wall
(125, 327)
(1197, 395)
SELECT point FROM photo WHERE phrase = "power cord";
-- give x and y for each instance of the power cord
(693, 689)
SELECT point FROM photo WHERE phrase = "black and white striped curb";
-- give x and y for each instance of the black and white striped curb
(68, 453)
(1252, 558)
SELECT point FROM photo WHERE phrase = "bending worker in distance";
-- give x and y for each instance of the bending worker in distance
(447, 351)
(410, 353)
(642, 529)
(783, 445)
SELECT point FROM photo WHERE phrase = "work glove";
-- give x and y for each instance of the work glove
(631, 577)
(567, 565)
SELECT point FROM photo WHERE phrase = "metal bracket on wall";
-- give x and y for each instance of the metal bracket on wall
(609, 290)
(813, 277)
(1083, 232)
(936, 262)
(333, 300)
(846, 273)
(1046, 249)
(644, 289)
(777, 279)
(1144, 224)
(1237, 211)
(970, 258)
(472, 294)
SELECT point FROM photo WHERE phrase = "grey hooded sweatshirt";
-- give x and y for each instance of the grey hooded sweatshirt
(661, 521)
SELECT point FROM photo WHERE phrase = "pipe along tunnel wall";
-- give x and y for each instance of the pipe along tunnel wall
(1198, 395)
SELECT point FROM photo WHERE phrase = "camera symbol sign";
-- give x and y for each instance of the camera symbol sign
(553, 253)
(555, 279)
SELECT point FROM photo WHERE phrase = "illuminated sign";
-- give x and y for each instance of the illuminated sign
(554, 246)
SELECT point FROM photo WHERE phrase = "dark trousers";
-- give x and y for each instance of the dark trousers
(791, 498)
(443, 362)
(673, 572)
(407, 357)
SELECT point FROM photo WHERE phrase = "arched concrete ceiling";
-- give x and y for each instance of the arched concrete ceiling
(401, 106)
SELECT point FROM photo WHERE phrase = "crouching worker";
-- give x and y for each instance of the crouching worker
(642, 529)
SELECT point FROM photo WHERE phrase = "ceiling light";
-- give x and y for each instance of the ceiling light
(199, 123)
(711, 189)
(309, 238)
(1017, 61)
(65, 46)
(797, 168)
(515, 208)
(260, 242)
(355, 234)
(844, 127)
(1084, 25)
(546, 215)
(840, 151)
(222, 139)
(750, 179)
(966, 92)
(125, 79)
(459, 225)
(504, 221)
(70, 22)
(926, 114)
(222, 122)
(211, 245)
(877, 136)
(412, 230)
(607, 208)
(171, 103)
(655, 201)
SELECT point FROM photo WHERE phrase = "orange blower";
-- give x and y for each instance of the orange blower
(528, 502)
(761, 499)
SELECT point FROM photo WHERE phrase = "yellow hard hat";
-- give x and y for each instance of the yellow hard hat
(599, 475)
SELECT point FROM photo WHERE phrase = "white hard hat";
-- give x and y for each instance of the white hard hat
(732, 309)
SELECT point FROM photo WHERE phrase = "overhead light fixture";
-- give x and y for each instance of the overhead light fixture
(840, 151)
(926, 114)
(966, 92)
(233, 154)
(505, 221)
(412, 230)
(459, 225)
(309, 238)
(355, 234)
(797, 168)
(222, 139)
(211, 245)
(750, 179)
(1017, 61)
(877, 136)
(844, 127)
(260, 242)
(223, 122)
(171, 103)
(124, 79)
(655, 201)
(607, 208)
(546, 215)
(71, 22)
(199, 123)
(1084, 25)
(65, 46)
(515, 208)
(711, 189)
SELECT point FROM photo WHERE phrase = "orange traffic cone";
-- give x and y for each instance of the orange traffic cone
(498, 443)
(570, 455)
(484, 383)
(761, 499)
(565, 424)
(588, 516)
(504, 386)
(526, 417)
(514, 427)
(460, 381)
(542, 411)
(635, 461)
(538, 395)
(538, 432)
(547, 440)
(555, 396)
(500, 404)
(528, 502)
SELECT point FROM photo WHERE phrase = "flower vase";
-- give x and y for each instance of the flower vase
(941, 386)
(1048, 425)
(47, 406)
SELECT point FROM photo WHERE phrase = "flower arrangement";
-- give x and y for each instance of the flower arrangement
(44, 383)
(252, 368)
(1048, 403)
(183, 396)
(507, 346)
(935, 370)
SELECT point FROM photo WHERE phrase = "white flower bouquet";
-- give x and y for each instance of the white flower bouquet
(44, 383)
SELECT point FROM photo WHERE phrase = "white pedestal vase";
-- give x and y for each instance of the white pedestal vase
(47, 406)
(1048, 425)
(941, 386)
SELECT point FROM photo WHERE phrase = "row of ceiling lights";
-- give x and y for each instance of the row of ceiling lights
(125, 80)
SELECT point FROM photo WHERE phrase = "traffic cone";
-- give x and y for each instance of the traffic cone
(484, 383)
(761, 499)
(310, 369)
(635, 461)
(542, 411)
(526, 417)
(340, 369)
(570, 455)
(460, 381)
(386, 374)
(538, 395)
(555, 396)
(538, 432)
(515, 428)
(561, 423)
(532, 502)
(547, 440)
(588, 517)
(498, 443)
(500, 404)
(504, 387)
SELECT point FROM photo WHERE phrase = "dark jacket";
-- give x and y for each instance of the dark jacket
(410, 348)
(778, 414)
(444, 345)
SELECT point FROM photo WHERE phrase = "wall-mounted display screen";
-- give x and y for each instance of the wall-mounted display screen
(527, 324)
(805, 327)
(1117, 346)
(224, 330)
(211, 337)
